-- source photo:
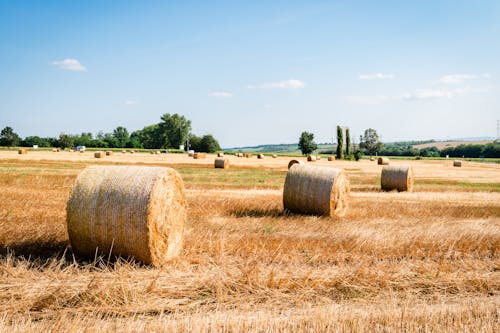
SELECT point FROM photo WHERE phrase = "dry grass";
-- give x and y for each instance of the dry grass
(422, 261)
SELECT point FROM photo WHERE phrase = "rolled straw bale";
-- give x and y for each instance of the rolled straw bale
(316, 190)
(260, 156)
(128, 211)
(292, 162)
(82, 151)
(397, 178)
(124, 151)
(220, 154)
(54, 150)
(383, 161)
(98, 154)
(248, 155)
(198, 156)
(372, 159)
(240, 154)
(22, 151)
(275, 156)
(331, 158)
(318, 157)
(311, 158)
(457, 163)
(109, 153)
(222, 163)
(132, 151)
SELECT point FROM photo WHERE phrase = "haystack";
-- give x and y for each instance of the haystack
(109, 153)
(22, 151)
(127, 211)
(248, 155)
(221, 163)
(198, 156)
(98, 154)
(316, 190)
(275, 156)
(383, 161)
(220, 154)
(457, 163)
(260, 156)
(292, 162)
(311, 158)
(318, 157)
(331, 158)
(398, 178)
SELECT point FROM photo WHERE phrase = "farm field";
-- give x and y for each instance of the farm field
(422, 261)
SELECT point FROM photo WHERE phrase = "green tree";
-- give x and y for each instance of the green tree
(9, 138)
(121, 135)
(174, 130)
(149, 137)
(306, 143)
(194, 142)
(340, 143)
(30, 141)
(347, 142)
(65, 141)
(370, 141)
(208, 144)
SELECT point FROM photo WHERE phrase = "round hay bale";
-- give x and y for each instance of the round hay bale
(22, 151)
(457, 163)
(397, 178)
(316, 190)
(260, 156)
(372, 159)
(311, 158)
(220, 154)
(318, 157)
(98, 154)
(54, 150)
(221, 163)
(275, 156)
(124, 151)
(383, 161)
(109, 153)
(292, 162)
(128, 211)
(132, 151)
(82, 151)
(198, 156)
(248, 155)
(331, 158)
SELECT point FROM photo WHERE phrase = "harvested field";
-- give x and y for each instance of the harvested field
(422, 261)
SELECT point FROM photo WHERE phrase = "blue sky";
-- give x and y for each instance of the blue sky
(252, 72)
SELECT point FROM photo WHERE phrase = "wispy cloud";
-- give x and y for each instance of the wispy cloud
(130, 102)
(220, 94)
(376, 76)
(288, 84)
(416, 95)
(70, 65)
(456, 78)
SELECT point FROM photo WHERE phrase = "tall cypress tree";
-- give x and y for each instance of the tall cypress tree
(340, 143)
(347, 142)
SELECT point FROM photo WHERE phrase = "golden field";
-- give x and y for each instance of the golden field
(426, 261)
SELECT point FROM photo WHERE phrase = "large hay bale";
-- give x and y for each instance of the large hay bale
(383, 161)
(331, 158)
(311, 158)
(128, 211)
(397, 178)
(220, 154)
(98, 154)
(260, 156)
(109, 153)
(198, 156)
(316, 190)
(292, 162)
(22, 151)
(457, 163)
(221, 163)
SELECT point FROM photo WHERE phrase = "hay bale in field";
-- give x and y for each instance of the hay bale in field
(316, 190)
(190, 153)
(98, 154)
(124, 151)
(240, 154)
(198, 156)
(109, 153)
(132, 151)
(318, 157)
(260, 156)
(274, 156)
(372, 159)
(383, 161)
(54, 150)
(221, 163)
(292, 162)
(457, 163)
(248, 155)
(331, 158)
(397, 178)
(311, 158)
(220, 154)
(82, 151)
(128, 211)
(22, 151)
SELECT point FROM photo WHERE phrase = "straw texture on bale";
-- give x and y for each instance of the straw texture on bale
(22, 151)
(383, 161)
(220, 154)
(109, 153)
(311, 158)
(331, 158)
(292, 162)
(221, 163)
(198, 156)
(98, 154)
(128, 211)
(457, 163)
(260, 156)
(316, 190)
(398, 178)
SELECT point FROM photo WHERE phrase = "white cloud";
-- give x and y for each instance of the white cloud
(456, 78)
(70, 65)
(220, 94)
(378, 76)
(288, 84)
(434, 94)
(129, 102)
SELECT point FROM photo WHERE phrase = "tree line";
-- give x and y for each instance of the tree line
(172, 131)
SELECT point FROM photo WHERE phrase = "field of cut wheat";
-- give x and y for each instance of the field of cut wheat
(425, 261)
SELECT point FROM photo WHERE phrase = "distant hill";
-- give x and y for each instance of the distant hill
(450, 144)
(284, 148)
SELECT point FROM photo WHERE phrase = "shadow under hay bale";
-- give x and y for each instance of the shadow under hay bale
(221, 163)
(127, 211)
(316, 190)
(398, 178)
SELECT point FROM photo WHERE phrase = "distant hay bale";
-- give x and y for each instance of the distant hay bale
(275, 156)
(124, 151)
(55, 150)
(248, 155)
(240, 154)
(98, 154)
(311, 158)
(383, 161)
(260, 156)
(82, 151)
(128, 211)
(190, 153)
(151, 152)
(316, 190)
(457, 163)
(109, 153)
(372, 159)
(398, 178)
(331, 158)
(157, 152)
(22, 151)
(221, 163)
(132, 151)
(292, 162)
(220, 154)
(198, 156)
(318, 157)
